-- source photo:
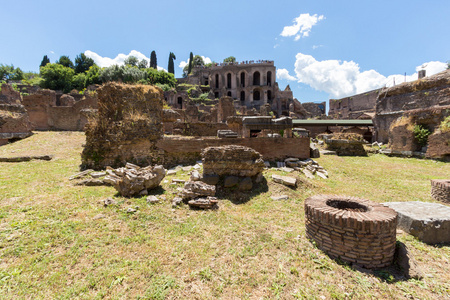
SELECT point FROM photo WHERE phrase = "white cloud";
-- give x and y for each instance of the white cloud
(316, 46)
(206, 60)
(103, 62)
(284, 74)
(52, 52)
(302, 26)
(344, 78)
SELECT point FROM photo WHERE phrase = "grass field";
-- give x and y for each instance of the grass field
(58, 242)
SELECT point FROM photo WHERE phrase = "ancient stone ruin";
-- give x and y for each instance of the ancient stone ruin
(127, 126)
(232, 166)
(424, 102)
(354, 230)
(345, 144)
(133, 180)
(14, 121)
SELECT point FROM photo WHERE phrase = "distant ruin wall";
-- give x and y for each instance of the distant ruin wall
(198, 128)
(354, 106)
(175, 151)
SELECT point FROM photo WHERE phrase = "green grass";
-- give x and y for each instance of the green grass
(52, 247)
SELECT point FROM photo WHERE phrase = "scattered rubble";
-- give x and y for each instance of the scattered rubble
(152, 199)
(308, 167)
(132, 180)
(109, 201)
(195, 189)
(204, 203)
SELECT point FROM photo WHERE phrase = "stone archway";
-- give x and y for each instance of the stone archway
(242, 79)
(242, 96)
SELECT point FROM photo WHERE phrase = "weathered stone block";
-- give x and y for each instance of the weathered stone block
(429, 222)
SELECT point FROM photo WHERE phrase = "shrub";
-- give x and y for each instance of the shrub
(421, 134)
(445, 125)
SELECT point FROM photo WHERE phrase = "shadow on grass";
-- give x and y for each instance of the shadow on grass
(159, 190)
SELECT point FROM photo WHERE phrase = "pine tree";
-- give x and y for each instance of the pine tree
(45, 61)
(153, 63)
(191, 59)
(171, 67)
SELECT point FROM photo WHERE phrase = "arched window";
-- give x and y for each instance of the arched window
(217, 81)
(256, 95)
(269, 78)
(216, 95)
(229, 94)
(242, 96)
(180, 102)
(229, 80)
(269, 96)
(243, 79)
(256, 78)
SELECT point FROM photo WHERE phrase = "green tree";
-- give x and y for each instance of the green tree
(93, 76)
(131, 61)
(153, 63)
(65, 61)
(57, 77)
(79, 81)
(143, 64)
(45, 61)
(160, 77)
(230, 59)
(171, 67)
(197, 61)
(8, 72)
(125, 73)
(83, 63)
(191, 59)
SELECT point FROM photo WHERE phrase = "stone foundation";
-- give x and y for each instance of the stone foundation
(354, 230)
(440, 190)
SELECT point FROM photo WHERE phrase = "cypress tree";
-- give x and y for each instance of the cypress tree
(153, 63)
(45, 61)
(191, 59)
(171, 67)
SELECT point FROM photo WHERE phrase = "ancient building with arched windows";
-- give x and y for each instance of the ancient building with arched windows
(251, 83)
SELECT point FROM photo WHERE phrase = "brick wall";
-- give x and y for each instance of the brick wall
(440, 190)
(187, 150)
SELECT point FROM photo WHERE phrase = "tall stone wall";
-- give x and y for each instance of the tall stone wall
(425, 94)
(37, 106)
(127, 126)
(354, 106)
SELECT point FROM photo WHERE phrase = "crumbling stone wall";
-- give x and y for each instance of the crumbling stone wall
(439, 145)
(37, 106)
(354, 106)
(14, 120)
(428, 93)
(440, 190)
(225, 109)
(127, 127)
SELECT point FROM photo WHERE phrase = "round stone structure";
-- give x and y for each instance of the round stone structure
(354, 230)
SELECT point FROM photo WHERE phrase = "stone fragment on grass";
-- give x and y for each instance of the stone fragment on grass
(308, 173)
(176, 201)
(195, 189)
(279, 197)
(176, 180)
(171, 172)
(81, 174)
(132, 181)
(109, 201)
(152, 199)
(285, 180)
(97, 174)
(287, 170)
(204, 203)
(195, 176)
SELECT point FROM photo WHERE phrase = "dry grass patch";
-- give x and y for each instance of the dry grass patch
(51, 246)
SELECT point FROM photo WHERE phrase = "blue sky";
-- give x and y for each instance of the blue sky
(322, 49)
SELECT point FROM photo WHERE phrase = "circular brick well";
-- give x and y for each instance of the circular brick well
(354, 230)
